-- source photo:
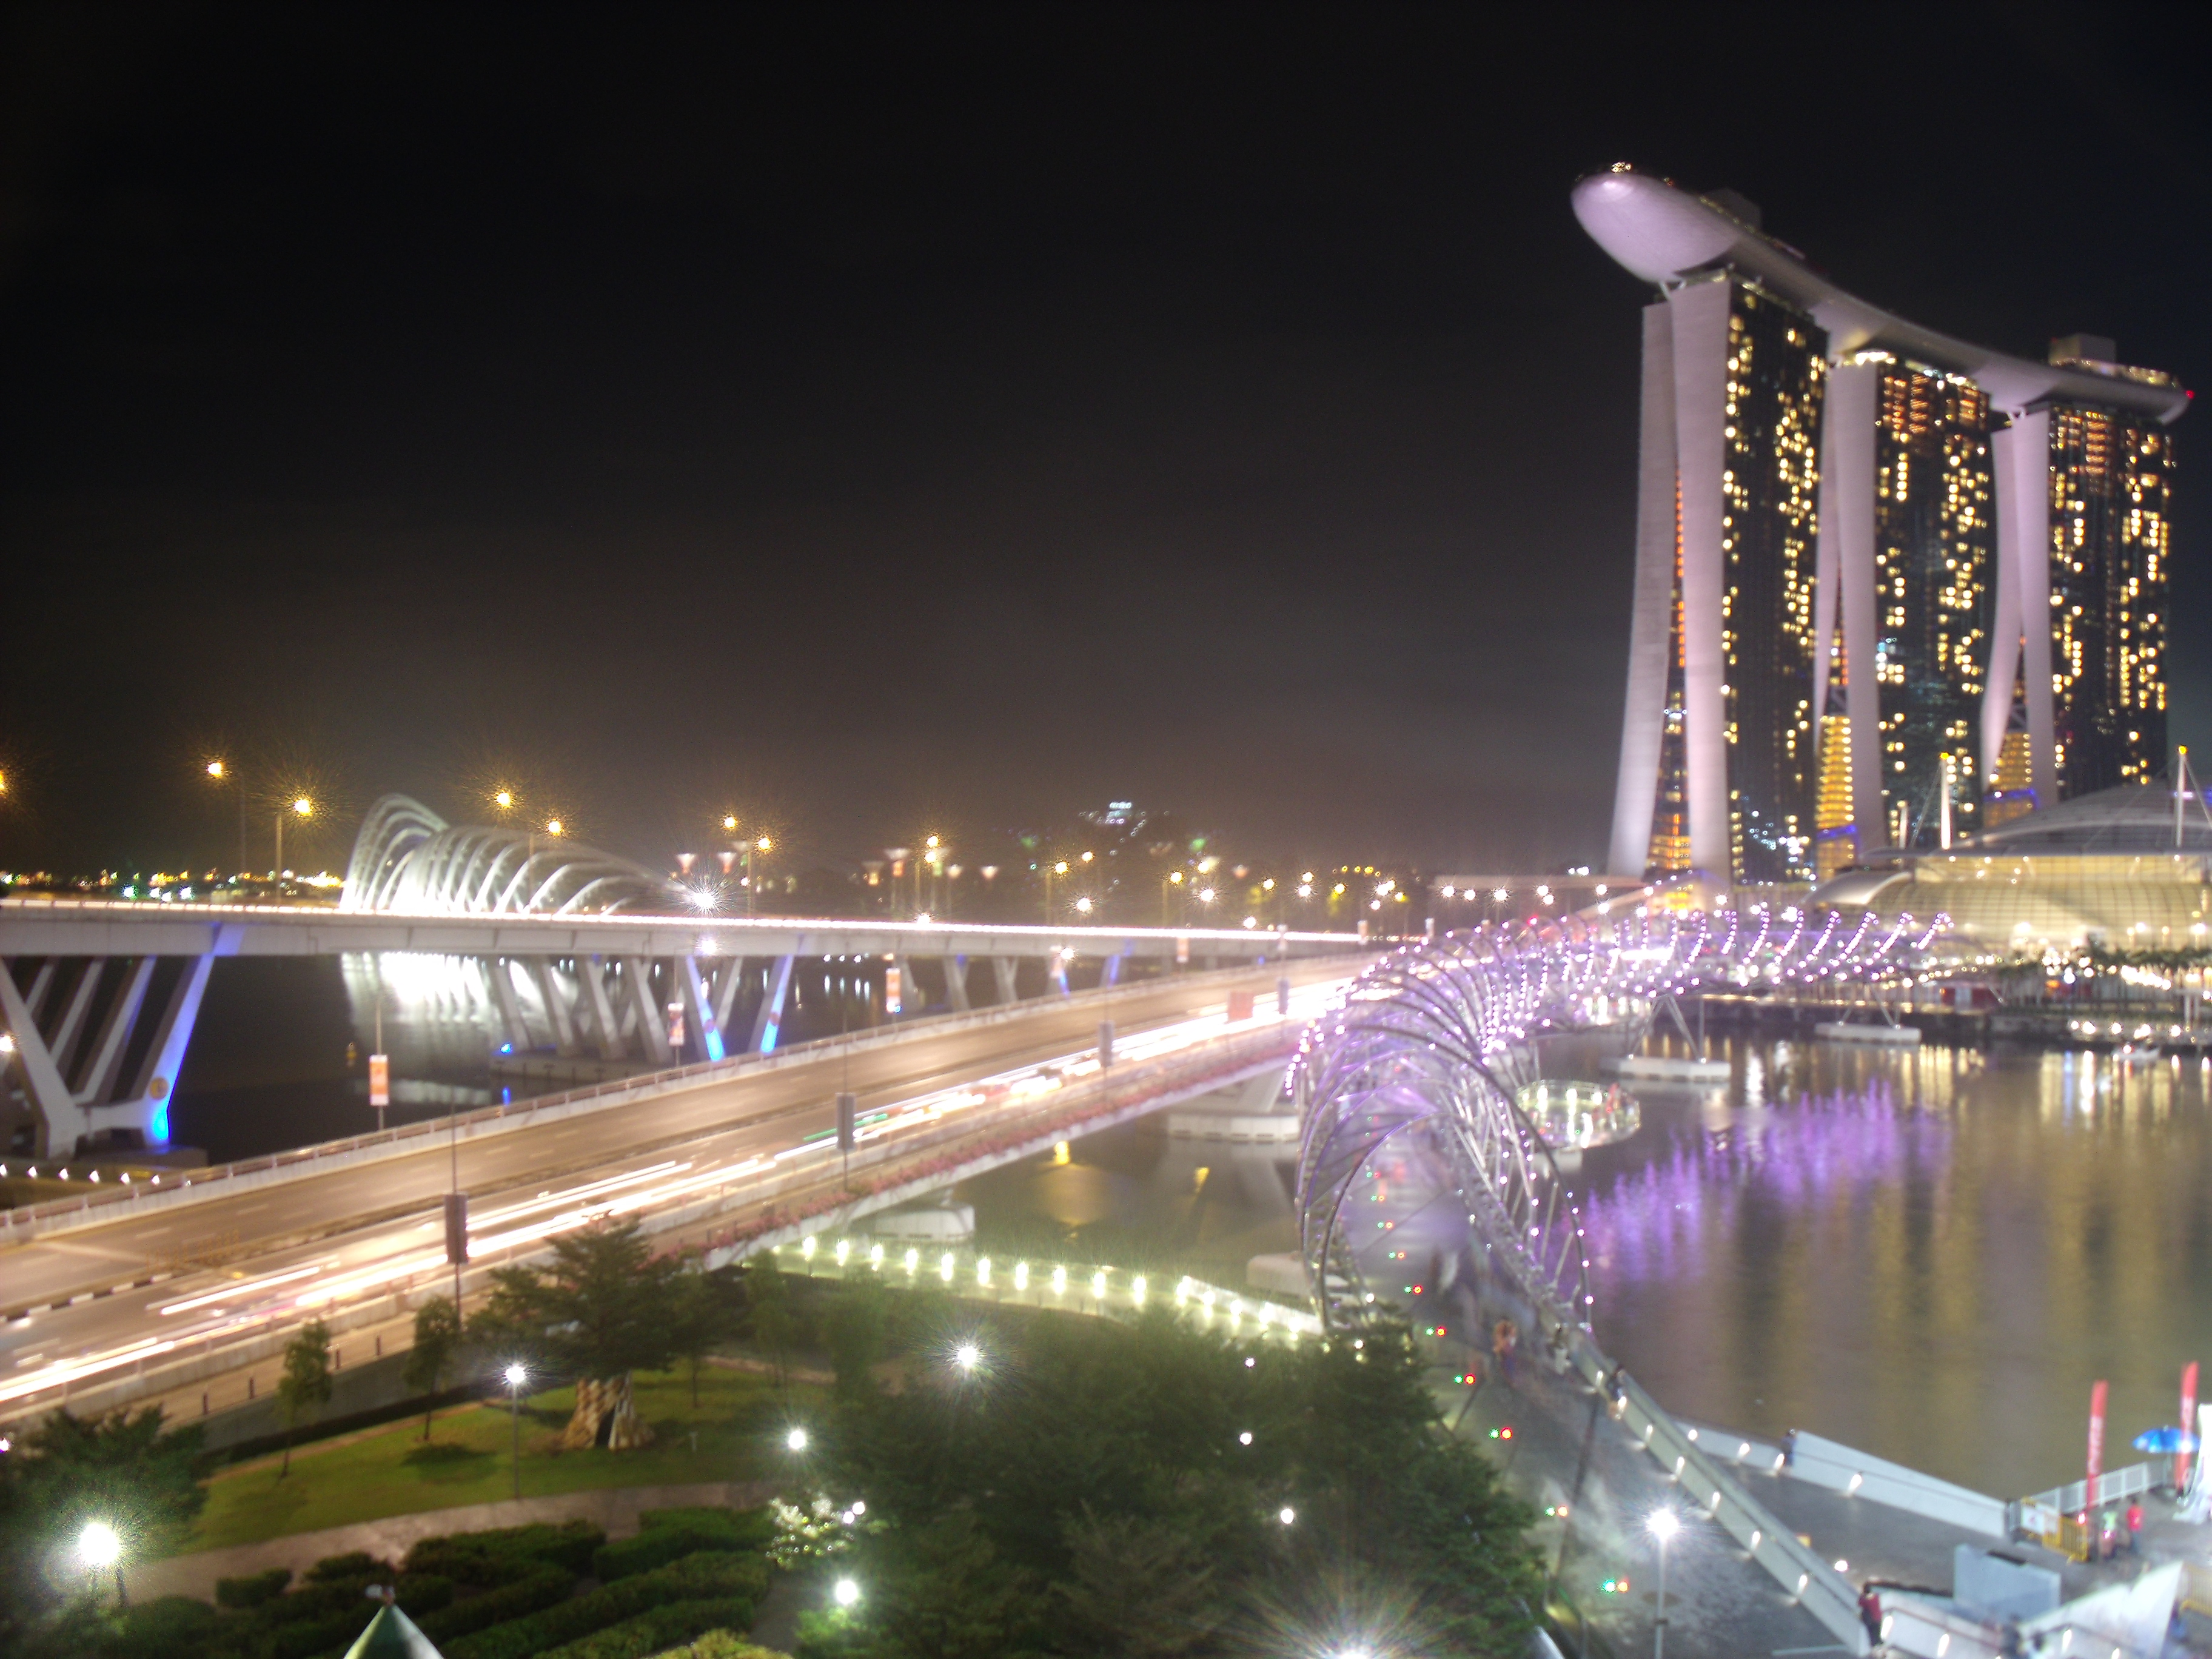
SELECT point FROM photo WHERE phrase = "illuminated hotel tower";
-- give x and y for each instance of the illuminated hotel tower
(1883, 576)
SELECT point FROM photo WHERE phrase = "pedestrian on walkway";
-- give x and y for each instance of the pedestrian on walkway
(2134, 1526)
(1503, 1337)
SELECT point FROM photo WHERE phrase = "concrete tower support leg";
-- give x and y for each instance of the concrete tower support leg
(556, 1005)
(64, 1119)
(1847, 487)
(2023, 454)
(956, 983)
(98, 1082)
(703, 1032)
(767, 1024)
(651, 1016)
(1003, 970)
(2003, 675)
(1700, 316)
(590, 975)
(1651, 608)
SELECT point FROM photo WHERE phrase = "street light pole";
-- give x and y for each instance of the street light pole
(1663, 1526)
(514, 1375)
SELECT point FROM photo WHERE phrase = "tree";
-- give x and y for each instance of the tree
(774, 1323)
(604, 1307)
(856, 1328)
(706, 1310)
(305, 1387)
(437, 1333)
(124, 1469)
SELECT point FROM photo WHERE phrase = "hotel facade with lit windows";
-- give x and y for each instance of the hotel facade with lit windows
(1890, 586)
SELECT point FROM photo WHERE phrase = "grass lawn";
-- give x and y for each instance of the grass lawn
(467, 1459)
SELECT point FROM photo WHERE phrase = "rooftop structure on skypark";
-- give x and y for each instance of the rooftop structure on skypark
(1890, 585)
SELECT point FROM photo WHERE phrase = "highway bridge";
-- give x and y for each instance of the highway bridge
(99, 997)
(170, 1293)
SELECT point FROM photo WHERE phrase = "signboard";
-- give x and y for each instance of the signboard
(891, 989)
(457, 1227)
(2096, 1439)
(379, 1080)
(1240, 1005)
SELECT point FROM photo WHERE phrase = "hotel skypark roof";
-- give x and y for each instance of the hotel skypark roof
(1666, 235)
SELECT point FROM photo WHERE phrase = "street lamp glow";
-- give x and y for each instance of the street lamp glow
(304, 807)
(1664, 1525)
(503, 799)
(515, 1377)
(729, 821)
(1083, 905)
(215, 770)
(847, 1593)
(553, 827)
(1206, 896)
(98, 1545)
(968, 1357)
(1060, 868)
(796, 1440)
(1286, 1515)
(764, 844)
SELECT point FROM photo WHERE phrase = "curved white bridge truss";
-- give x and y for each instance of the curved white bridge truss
(407, 858)
(1436, 1036)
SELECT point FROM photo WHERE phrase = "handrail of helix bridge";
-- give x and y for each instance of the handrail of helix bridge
(1436, 1038)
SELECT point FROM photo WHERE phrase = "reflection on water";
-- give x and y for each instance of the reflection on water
(1136, 1197)
(1930, 1254)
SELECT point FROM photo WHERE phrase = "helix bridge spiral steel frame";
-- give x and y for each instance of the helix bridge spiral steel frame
(1436, 1038)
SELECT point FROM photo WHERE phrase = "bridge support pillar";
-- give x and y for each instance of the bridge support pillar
(703, 1031)
(591, 975)
(556, 1006)
(98, 1080)
(71, 1031)
(911, 1001)
(501, 974)
(768, 1021)
(156, 1081)
(651, 1016)
(62, 1118)
(956, 983)
(1003, 968)
(732, 974)
(1110, 972)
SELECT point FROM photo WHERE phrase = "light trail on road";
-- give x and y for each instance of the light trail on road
(311, 1281)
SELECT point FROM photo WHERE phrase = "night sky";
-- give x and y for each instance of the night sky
(871, 419)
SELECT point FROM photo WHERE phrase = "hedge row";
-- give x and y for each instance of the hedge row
(666, 1535)
(488, 1558)
(715, 1575)
(540, 1586)
(651, 1633)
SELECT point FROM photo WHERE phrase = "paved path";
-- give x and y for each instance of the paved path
(616, 1509)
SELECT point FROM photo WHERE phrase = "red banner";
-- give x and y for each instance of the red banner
(2096, 1441)
(2188, 1422)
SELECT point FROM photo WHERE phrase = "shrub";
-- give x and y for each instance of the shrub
(159, 1629)
(252, 1590)
(358, 1564)
(708, 1574)
(539, 1587)
(720, 1645)
(670, 1535)
(650, 1633)
(423, 1592)
(490, 1558)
